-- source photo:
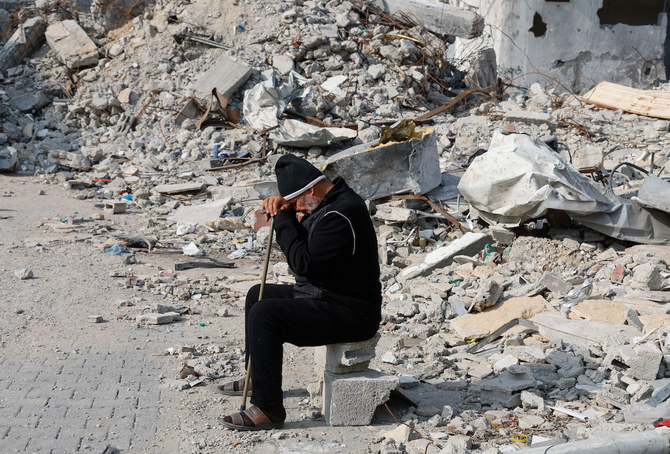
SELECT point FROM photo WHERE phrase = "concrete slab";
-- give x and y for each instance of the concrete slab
(599, 310)
(71, 43)
(179, 188)
(200, 214)
(556, 327)
(227, 75)
(484, 323)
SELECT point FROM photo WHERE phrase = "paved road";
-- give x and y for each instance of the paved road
(68, 385)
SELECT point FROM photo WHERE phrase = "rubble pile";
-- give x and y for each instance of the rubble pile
(542, 329)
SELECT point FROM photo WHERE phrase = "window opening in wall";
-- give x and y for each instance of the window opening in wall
(638, 12)
(539, 27)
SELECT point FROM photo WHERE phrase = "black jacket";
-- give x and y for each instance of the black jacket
(334, 249)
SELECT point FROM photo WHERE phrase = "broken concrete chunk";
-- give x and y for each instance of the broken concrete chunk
(390, 213)
(29, 101)
(468, 244)
(27, 37)
(581, 332)
(641, 361)
(526, 353)
(9, 159)
(612, 395)
(484, 323)
(487, 295)
(158, 319)
(68, 159)
(502, 390)
(588, 159)
(503, 363)
(24, 273)
(599, 310)
(200, 214)
(346, 357)
(483, 71)
(282, 63)
(647, 277)
(71, 44)
(226, 75)
(554, 283)
(531, 400)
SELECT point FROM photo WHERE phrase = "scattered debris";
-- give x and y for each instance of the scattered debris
(24, 273)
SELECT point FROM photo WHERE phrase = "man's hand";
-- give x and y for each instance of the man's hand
(273, 204)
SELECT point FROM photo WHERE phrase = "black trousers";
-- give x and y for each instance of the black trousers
(280, 317)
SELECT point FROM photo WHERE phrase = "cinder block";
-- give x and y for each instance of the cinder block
(116, 207)
(346, 357)
(642, 360)
(351, 399)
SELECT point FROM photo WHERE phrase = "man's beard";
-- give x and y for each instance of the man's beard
(310, 204)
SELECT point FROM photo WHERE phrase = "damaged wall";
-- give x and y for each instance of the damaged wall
(579, 43)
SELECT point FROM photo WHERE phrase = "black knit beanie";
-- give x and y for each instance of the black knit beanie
(295, 176)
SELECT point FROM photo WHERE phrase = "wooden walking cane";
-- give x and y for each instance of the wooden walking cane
(260, 297)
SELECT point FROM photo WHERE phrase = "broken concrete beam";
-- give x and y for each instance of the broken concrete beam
(351, 399)
(530, 117)
(28, 37)
(582, 332)
(437, 17)
(179, 188)
(468, 244)
(375, 171)
(227, 75)
(346, 357)
(71, 44)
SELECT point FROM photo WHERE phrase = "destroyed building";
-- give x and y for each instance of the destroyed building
(518, 180)
(573, 45)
